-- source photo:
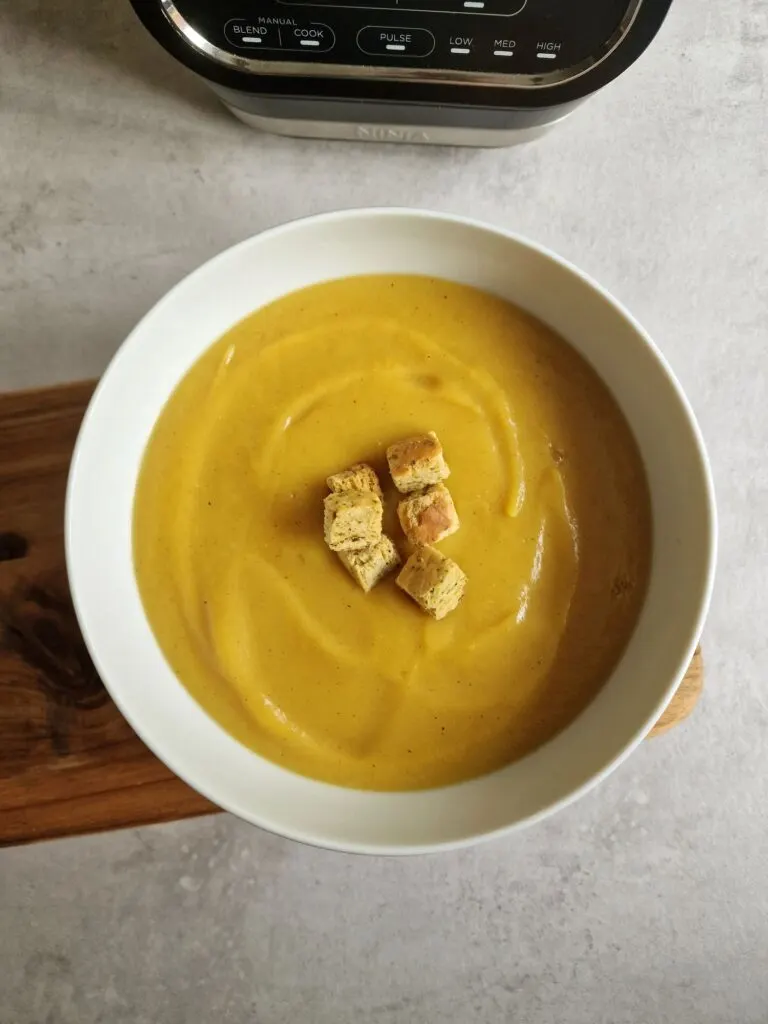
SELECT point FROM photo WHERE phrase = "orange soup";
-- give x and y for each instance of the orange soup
(258, 618)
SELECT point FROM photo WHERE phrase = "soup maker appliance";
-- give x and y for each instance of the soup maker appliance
(461, 72)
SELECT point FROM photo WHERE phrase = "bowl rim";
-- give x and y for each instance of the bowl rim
(376, 848)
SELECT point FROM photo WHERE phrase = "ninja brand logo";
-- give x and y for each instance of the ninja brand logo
(378, 133)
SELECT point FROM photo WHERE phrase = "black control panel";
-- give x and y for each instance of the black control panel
(510, 37)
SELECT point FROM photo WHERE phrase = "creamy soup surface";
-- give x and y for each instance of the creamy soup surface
(265, 628)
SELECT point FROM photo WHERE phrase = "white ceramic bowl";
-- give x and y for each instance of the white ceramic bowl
(100, 498)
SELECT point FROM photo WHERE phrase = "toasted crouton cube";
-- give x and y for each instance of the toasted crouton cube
(417, 462)
(428, 516)
(352, 520)
(369, 566)
(435, 582)
(357, 478)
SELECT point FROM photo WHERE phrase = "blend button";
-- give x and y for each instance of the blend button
(247, 35)
(384, 41)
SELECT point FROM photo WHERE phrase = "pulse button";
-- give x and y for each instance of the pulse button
(384, 41)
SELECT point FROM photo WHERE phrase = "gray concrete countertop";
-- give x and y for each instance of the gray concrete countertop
(647, 902)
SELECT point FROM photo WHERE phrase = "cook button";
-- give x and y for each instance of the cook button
(312, 36)
(243, 33)
(382, 41)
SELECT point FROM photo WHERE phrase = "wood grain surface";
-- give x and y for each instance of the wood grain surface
(686, 698)
(69, 762)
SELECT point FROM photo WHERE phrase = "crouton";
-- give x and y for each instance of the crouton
(428, 516)
(435, 582)
(417, 462)
(357, 478)
(370, 565)
(352, 520)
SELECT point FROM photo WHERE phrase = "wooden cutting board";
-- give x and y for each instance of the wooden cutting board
(69, 762)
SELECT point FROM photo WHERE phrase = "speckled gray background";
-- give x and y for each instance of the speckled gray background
(647, 903)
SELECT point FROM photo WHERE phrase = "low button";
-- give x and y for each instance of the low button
(312, 36)
(248, 35)
(383, 41)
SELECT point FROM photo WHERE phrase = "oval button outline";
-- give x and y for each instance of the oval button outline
(395, 53)
(271, 31)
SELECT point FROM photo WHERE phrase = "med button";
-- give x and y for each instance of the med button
(311, 37)
(383, 41)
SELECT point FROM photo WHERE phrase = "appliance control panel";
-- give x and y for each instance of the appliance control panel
(535, 42)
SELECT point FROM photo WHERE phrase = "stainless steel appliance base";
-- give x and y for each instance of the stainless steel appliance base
(484, 138)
